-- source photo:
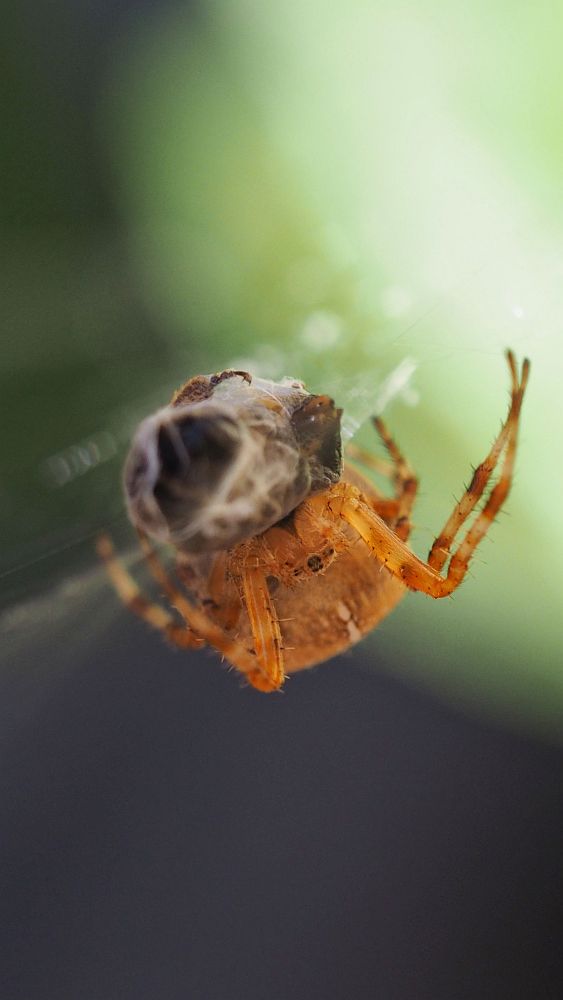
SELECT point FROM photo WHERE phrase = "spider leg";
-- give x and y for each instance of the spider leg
(132, 597)
(396, 511)
(226, 600)
(206, 631)
(227, 611)
(373, 462)
(391, 511)
(404, 478)
(200, 622)
(397, 470)
(460, 558)
(261, 613)
(440, 551)
(387, 508)
(346, 502)
(265, 631)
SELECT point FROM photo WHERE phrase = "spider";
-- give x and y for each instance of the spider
(284, 558)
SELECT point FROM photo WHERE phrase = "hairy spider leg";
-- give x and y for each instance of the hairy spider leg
(145, 609)
(269, 676)
(203, 629)
(404, 480)
(365, 457)
(281, 555)
(346, 502)
(227, 605)
(440, 551)
(265, 630)
(388, 508)
(461, 557)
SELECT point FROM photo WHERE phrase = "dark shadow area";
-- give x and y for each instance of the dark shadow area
(167, 834)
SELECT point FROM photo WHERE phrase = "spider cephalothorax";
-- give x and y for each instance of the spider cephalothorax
(283, 558)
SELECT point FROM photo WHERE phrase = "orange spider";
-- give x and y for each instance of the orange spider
(282, 562)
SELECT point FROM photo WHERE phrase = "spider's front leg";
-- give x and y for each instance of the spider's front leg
(506, 441)
(346, 502)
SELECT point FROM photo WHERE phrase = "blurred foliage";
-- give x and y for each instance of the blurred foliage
(329, 193)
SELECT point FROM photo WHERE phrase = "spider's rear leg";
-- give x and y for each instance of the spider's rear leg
(140, 605)
(507, 437)
(200, 628)
(269, 675)
(200, 622)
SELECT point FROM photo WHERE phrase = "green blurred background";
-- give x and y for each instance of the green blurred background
(366, 196)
